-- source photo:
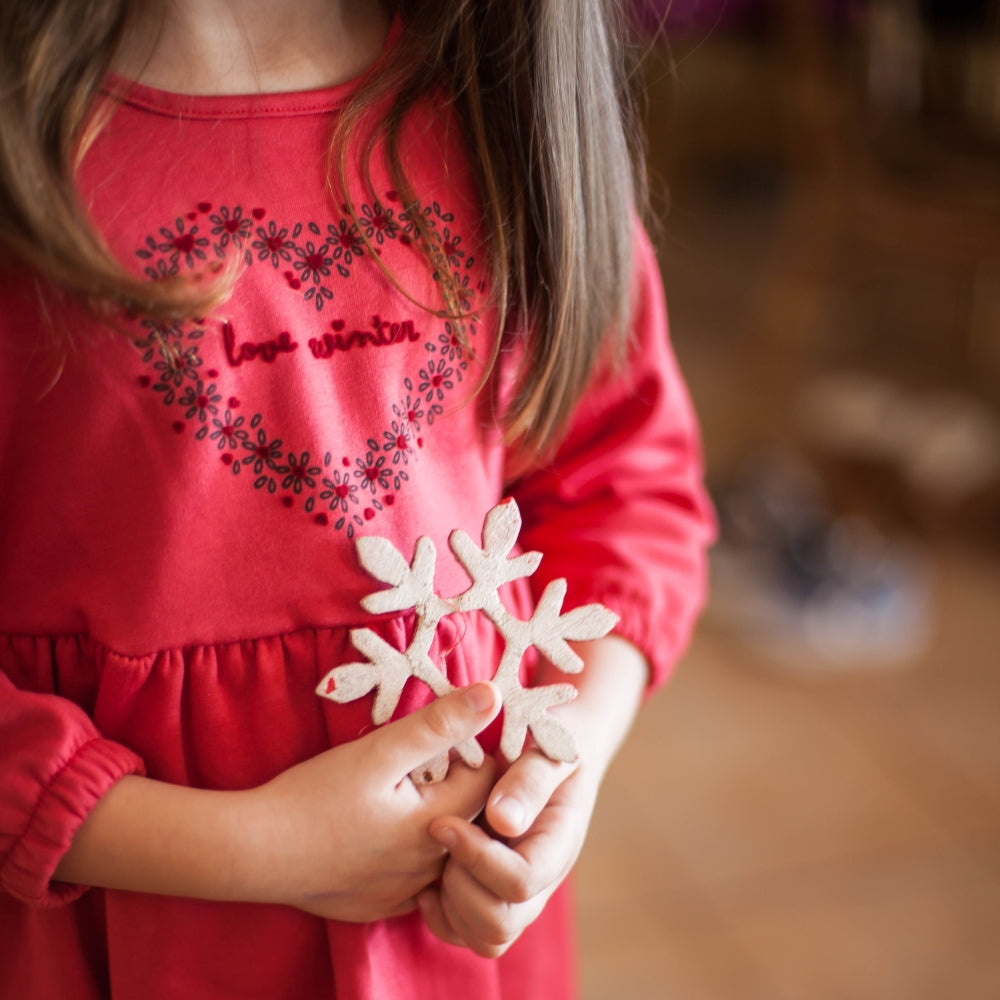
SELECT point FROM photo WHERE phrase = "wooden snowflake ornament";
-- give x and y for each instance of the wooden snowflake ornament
(489, 566)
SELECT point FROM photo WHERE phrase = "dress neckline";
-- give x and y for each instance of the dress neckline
(234, 106)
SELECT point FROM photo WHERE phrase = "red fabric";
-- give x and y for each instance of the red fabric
(178, 512)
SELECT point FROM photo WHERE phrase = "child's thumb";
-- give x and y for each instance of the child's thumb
(437, 727)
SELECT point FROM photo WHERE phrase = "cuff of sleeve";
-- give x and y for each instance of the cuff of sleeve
(660, 637)
(65, 804)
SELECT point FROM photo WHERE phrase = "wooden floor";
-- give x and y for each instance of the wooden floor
(807, 835)
(786, 837)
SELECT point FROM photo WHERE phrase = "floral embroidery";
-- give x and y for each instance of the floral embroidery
(313, 265)
(371, 471)
(451, 247)
(397, 442)
(163, 338)
(276, 244)
(435, 379)
(434, 410)
(450, 346)
(229, 431)
(263, 455)
(463, 291)
(378, 223)
(411, 410)
(314, 262)
(177, 244)
(174, 366)
(298, 472)
(340, 491)
(231, 228)
(345, 245)
(200, 401)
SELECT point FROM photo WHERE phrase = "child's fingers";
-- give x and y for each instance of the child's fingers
(483, 921)
(436, 728)
(429, 902)
(514, 875)
(490, 892)
(523, 792)
(462, 793)
(487, 924)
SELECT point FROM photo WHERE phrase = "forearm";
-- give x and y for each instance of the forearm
(149, 836)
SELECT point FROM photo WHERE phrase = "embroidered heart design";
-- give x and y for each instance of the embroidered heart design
(311, 257)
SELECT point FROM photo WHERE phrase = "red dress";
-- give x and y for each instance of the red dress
(178, 510)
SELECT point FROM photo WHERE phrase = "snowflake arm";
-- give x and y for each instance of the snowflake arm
(550, 629)
(412, 585)
(526, 710)
(488, 567)
(386, 673)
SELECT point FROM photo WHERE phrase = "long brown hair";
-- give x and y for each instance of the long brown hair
(542, 89)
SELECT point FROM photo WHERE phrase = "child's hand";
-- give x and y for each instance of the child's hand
(493, 887)
(345, 834)
(492, 890)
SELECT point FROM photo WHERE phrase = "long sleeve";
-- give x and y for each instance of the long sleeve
(54, 766)
(620, 511)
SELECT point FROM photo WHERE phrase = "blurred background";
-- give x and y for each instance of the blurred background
(811, 809)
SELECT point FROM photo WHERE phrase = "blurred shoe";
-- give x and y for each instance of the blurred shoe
(808, 589)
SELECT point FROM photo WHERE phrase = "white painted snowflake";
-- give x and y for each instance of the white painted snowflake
(386, 670)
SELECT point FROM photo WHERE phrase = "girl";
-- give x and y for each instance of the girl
(277, 276)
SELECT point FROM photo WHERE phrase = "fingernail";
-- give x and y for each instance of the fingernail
(510, 811)
(444, 835)
(479, 697)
